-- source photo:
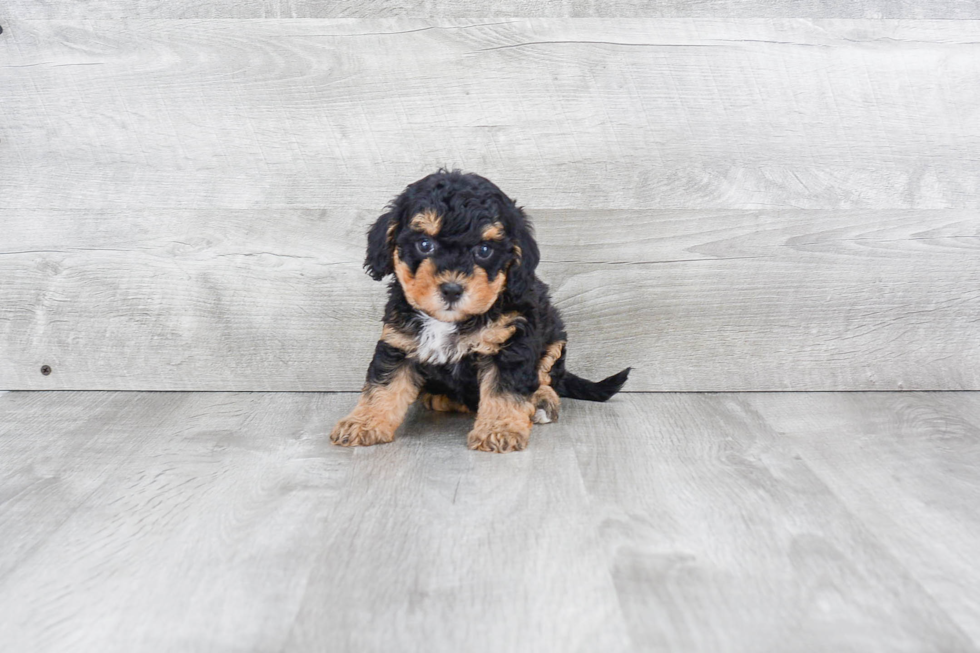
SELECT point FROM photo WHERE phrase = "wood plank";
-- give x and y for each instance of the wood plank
(717, 541)
(907, 466)
(226, 521)
(693, 300)
(445, 549)
(240, 527)
(198, 517)
(54, 459)
(442, 9)
(564, 113)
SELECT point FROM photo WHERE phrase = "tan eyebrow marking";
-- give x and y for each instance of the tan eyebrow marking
(494, 231)
(428, 222)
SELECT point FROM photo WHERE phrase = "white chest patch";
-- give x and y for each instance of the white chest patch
(437, 341)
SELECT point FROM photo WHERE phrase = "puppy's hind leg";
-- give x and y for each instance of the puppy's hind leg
(442, 403)
(545, 399)
(546, 404)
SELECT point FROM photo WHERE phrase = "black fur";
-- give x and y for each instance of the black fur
(379, 249)
(386, 361)
(569, 385)
(467, 203)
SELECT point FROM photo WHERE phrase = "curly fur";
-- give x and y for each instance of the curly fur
(467, 321)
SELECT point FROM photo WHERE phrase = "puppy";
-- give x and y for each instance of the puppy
(468, 326)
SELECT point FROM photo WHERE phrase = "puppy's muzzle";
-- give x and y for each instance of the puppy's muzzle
(451, 292)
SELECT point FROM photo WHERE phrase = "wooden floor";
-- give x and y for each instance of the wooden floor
(680, 522)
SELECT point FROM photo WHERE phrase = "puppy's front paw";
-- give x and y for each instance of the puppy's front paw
(353, 432)
(497, 438)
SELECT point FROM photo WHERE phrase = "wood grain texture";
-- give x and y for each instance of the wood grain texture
(693, 300)
(438, 531)
(443, 9)
(564, 113)
(185, 199)
(674, 522)
(907, 466)
(723, 538)
(163, 521)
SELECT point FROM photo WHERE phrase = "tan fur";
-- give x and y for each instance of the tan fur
(422, 289)
(481, 293)
(494, 231)
(442, 403)
(488, 340)
(399, 340)
(545, 398)
(427, 222)
(503, 421)
(452, 276)
(379, 412)
(551, 354)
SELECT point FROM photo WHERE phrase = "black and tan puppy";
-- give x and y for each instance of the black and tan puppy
(468, 326)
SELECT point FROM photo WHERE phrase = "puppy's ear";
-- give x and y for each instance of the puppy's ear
(381, 247)
(520, 276)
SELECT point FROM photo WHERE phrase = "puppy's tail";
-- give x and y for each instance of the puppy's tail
(576, 387)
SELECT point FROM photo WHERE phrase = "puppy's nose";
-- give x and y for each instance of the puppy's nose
(451, 291)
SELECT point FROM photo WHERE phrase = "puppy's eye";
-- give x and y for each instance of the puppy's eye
(425, 246)
(483, 251)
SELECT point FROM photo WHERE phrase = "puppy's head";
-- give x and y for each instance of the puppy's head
(455, 242)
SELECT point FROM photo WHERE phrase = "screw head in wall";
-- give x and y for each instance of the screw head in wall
(45, 370)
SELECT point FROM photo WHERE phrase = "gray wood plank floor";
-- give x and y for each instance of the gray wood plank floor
(687, 522)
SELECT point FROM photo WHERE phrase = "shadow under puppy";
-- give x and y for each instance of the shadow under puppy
(468, 326)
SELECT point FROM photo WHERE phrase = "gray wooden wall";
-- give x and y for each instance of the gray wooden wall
(728, 196)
